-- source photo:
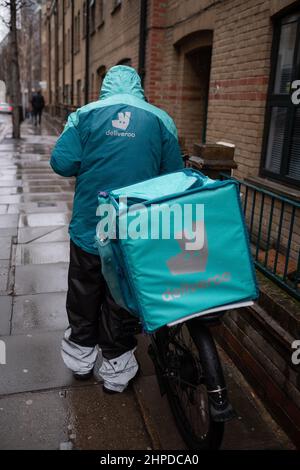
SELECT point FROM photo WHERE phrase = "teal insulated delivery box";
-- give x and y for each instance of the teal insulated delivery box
(174, 247)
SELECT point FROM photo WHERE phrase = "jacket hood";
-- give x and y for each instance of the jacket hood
(121, 79)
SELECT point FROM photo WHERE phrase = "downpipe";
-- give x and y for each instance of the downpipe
(220, 408)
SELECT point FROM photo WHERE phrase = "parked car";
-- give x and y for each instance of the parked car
(5, 108)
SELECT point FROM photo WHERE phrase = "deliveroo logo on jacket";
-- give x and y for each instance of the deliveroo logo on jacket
(121, 123)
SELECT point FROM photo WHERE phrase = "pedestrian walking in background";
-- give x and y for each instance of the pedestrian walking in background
(38, 104)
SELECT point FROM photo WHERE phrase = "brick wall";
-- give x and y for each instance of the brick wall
(239, 79)
(241, 44)
(239, 34)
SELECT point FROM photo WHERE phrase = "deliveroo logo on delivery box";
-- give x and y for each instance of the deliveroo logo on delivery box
(192, 261)
(189, 261)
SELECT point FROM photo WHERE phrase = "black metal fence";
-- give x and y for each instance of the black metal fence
(274, 229)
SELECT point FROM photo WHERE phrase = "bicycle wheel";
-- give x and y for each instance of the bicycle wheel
(181, 371)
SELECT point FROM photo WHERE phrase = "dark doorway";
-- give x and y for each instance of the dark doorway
(199, 75)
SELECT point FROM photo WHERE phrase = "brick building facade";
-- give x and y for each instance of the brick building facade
(207, 62)
(223, 69)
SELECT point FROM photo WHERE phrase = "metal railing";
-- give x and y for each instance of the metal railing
(274, 230)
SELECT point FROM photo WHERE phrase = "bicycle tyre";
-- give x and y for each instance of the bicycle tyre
(212, 438)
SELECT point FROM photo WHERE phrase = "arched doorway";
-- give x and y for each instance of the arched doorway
(199, 62)
(195, 51)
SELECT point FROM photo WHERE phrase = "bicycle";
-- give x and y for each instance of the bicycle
(189, 372)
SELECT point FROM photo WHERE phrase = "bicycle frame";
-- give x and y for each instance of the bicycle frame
(220, 408)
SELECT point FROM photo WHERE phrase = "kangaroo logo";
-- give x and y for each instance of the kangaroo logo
(190, 261)
(123, 121)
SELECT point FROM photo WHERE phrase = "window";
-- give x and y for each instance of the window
(84, 20)
(99, 13)
(116, 5)
(67, 94)
(65, 48)
(60, 55)
(69, 45)
(282, 139)
(126, 61)
(100, 74)
(61, 12)
(78, 86)
(92, 10)
(92, 98)
(77, 33)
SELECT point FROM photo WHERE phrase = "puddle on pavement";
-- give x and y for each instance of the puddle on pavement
(39, 312)
(41, 278)
(81, 418)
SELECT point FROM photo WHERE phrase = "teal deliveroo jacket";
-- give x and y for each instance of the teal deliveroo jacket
(113, 142)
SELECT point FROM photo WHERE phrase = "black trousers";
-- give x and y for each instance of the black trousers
(93, 315)
(37, 114)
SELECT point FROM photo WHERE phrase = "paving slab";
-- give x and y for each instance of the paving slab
(4, 273)
(37, 279)
(33, 362)
(142, 354)
(60, 234)
(159, 415)
(9, 221)
(13, 209)
(5, 247)
(252, 429)
(10, 190)
(11, 181)
(42, 220)
(43, 197)
(37, 189)
(14, 199)
(4, 263)
(41, 253)
(29, 234)
(5, 314)
(35, 207)
(41, 140)
(7, 232)
(32, 313)
(83, 418)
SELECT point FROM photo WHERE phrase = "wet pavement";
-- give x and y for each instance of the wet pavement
(41, 406)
